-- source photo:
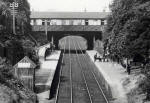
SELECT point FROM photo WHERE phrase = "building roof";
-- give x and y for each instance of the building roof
(26, 62)
(70, 15)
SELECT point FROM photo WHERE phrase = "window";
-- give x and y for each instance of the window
(43, 22)
(102, 22)
(48, 23)
(86, 22)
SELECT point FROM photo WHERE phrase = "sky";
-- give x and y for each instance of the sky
(70, 5)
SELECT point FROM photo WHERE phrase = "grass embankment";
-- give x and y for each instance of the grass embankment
(134, 84)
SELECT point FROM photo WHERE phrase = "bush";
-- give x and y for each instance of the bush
(5, 68)
(7, 80)
(14, 51)
(146, 83)
(31, 53)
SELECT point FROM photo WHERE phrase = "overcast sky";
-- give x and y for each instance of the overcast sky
(70, 5)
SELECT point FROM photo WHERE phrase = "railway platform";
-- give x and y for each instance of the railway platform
(76, 73)
(114, 75)
(45, 74)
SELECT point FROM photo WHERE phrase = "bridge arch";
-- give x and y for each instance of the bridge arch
(56, 24)
(77, 37)
(91, 37)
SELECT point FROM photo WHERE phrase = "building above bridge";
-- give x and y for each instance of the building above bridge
(69, 18)
(68, 21)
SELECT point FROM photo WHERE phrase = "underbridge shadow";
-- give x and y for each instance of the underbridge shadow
(55, 80)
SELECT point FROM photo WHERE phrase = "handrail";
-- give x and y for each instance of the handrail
(68, 28)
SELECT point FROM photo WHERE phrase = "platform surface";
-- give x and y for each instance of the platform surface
(44, 75)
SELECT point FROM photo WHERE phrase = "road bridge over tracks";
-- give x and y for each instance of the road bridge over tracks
(57, 25)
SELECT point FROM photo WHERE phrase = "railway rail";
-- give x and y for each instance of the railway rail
(100, 96)
(77, 82)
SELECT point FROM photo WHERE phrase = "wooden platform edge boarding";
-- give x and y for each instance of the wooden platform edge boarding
(25, 71)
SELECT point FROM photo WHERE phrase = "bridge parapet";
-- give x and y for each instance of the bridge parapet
(68, 28)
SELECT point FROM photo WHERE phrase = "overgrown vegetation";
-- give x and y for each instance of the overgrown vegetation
(23, 28)
(16, 47)
(22, 16)
(14, 87)
(40, 38)
(128, 28)
(127, 33)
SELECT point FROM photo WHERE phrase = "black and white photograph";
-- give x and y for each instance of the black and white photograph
(74, 51)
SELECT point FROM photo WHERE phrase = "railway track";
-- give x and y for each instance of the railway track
(60, 88)
(77, 83)
(95, 89)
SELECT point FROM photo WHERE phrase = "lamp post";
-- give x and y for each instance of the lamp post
(13, 5)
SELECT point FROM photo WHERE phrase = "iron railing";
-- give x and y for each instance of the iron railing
(68, 28)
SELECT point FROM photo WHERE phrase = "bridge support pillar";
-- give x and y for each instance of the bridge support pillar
(90, 42)
(52, 39)
(94, 40)
(46, 28)
(56, 42)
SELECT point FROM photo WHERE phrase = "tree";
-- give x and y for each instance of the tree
(5, 17)
(128, 28)
(22, 16)
(128, 33)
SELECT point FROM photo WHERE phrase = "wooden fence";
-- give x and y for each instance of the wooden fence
(27, 76)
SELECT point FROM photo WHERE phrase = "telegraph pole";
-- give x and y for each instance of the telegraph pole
(13, 13)
(46, 28)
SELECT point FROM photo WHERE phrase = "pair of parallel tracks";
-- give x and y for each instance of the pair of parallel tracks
(82, 85)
